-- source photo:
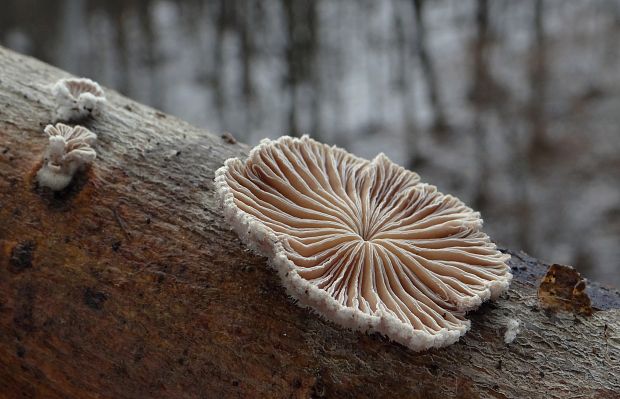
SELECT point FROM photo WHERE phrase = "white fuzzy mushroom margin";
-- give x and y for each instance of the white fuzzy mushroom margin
(78, 98)
(263, 241)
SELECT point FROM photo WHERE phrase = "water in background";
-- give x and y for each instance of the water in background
(512, 106)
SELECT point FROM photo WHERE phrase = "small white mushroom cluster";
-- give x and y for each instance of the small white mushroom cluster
(77, 99)
(364, 243)
(70, 149)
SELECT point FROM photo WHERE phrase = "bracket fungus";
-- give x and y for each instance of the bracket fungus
(77, 98)
(69, 150)
(363, 243)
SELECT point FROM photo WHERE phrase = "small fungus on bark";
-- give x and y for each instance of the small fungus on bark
(363, 243)
(69, 150)
(513, 328)
(78, 98)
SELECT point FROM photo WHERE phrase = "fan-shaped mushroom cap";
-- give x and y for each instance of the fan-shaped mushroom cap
(77, 98)
(69, 149)
(363, 243)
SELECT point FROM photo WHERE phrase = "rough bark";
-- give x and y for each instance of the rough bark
(131, 286)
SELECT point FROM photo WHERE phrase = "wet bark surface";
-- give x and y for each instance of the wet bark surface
(130, 285)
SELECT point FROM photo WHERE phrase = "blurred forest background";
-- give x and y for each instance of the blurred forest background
(514, 106)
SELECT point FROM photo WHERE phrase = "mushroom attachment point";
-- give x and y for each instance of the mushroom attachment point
(363, 243)
(78, 98)
(69, 150)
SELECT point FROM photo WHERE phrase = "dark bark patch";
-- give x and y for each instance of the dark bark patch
(61, 200)
(229, 138)
(23, 318)
(116, 245)
(433, 369)
(94, 299)
(21, 256)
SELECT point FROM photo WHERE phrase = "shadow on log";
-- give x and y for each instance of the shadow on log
(133, 287)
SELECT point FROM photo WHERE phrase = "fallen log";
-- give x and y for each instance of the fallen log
(130, 285)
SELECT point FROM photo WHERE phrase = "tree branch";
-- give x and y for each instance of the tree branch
(130, 285)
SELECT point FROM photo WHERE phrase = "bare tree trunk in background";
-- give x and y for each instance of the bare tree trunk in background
(535, 145)
(404, 83)
(249, 14)
(247, 47)
(481, 96)
(301, 28)
(238, 18)
(538, 83)
(314, 80)
(221, 25)
(123, 54)
(156, 93)
(291, 76)
(440, 125)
